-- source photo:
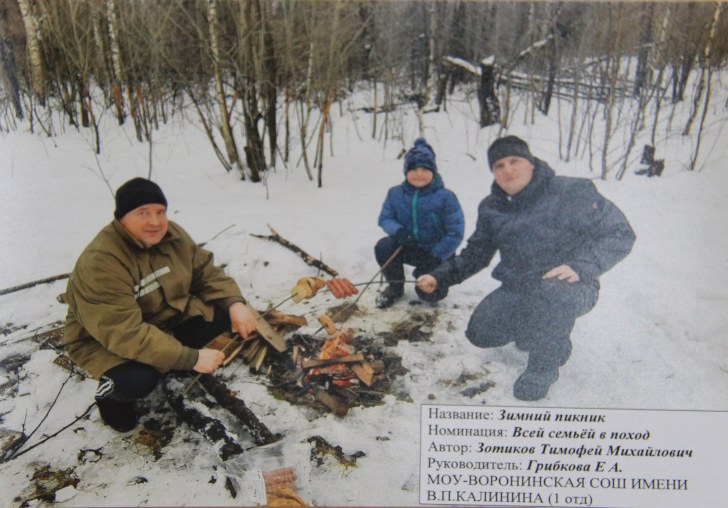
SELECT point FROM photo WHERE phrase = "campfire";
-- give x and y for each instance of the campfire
(333, 373)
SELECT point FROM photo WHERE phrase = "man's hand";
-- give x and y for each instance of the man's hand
(208, 360)
(242, 319)
(427, 283)
(563, 272)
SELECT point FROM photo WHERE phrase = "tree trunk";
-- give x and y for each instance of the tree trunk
(609, 103)
(374, 115)
(270, 92)
(227, 133)
(134, 110)
(430, 70)
(35, 59)
(254, 148)
(489, 106)
(704, 65)
(553, 65)
(646, 16)
(574, 110)
(9, 71)
(116, 88)
(101, 63)
(702, 122)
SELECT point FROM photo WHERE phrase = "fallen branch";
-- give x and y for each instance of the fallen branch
(16, 455)
(211, 429)
(258, 431)
(34, 283)
(309, 260)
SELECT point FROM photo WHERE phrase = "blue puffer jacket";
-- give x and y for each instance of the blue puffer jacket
(432, 214)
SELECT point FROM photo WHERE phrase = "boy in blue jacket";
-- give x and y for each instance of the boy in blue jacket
(422, 216)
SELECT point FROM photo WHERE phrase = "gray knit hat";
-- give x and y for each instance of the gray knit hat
(508, 146)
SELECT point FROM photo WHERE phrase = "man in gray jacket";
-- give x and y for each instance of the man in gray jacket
(556, 236)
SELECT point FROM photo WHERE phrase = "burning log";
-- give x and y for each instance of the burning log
(365, 372)
(335, 352)
(311, 364)
(210, 428)
(259, 432)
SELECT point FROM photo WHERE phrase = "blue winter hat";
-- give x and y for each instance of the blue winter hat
(420, 156)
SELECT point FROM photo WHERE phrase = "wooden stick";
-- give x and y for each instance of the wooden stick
(233, 354)
(252, 350)
(258, 361)
(34, 283)
(310, 364)
(307, 258)
(385, 265)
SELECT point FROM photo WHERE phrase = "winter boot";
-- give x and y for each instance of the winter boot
(390, 295)
(119, 415)
(534, 383)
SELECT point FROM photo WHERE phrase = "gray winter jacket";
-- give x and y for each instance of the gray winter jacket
(555, 220)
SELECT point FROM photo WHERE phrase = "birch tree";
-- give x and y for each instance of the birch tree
(33, 45)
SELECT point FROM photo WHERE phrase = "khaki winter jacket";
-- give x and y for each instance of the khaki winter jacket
(124, 298)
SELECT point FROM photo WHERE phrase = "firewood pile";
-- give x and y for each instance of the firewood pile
(331, 373)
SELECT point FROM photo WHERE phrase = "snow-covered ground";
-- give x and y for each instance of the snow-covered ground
(656, 339)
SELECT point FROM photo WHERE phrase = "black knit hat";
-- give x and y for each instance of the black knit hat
(135, 193)
(420, 156)
(508, 146)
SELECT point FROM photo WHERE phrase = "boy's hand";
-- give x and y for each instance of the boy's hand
(405, 238)
(427, 283)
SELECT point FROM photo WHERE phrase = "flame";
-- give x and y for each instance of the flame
(336, 347)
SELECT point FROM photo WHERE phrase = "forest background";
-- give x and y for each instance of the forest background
(262, 76)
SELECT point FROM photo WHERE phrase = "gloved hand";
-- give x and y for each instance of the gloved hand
(405, 238)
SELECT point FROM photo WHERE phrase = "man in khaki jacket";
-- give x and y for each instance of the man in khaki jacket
(145, 299)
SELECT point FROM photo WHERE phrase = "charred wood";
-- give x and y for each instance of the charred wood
(211, 429)
(222, 394)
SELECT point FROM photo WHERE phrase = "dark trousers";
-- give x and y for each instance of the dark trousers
(134, 380)
(539, 319)
(423, 261)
